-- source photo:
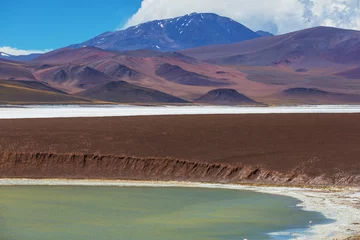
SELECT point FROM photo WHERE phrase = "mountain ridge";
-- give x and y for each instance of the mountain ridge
(313, 46)
(188, 31)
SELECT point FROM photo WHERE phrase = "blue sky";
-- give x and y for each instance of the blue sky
(50, 24)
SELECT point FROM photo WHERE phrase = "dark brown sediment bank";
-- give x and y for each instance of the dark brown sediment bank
(310, 149)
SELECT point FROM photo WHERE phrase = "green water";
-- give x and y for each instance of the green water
(124, 213)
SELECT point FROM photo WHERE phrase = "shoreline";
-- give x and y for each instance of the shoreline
(335, 203)
(106, 111)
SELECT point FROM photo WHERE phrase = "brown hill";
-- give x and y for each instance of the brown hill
(124, 92)
(14, 70)
(35, 93)
(74, 77)
(225, 97)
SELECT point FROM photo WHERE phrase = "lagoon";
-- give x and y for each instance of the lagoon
(139, 213)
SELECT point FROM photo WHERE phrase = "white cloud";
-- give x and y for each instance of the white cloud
(277, 16)
(17, 52)
(335, 13)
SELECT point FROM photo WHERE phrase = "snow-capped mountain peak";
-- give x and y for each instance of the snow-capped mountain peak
(189, 31)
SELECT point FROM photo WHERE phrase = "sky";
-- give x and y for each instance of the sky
(28, 26)
(49, 24)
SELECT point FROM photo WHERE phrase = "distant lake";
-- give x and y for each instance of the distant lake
(140, 213)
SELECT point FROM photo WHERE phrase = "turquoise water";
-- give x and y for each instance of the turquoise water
(137, 213)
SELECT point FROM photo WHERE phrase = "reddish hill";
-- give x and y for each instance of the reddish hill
(225, 97)
(124, 92)
(74, 77)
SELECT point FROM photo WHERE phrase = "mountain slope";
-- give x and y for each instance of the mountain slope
(14, 70)
(189, 31)
(314, 47)
(124, 92)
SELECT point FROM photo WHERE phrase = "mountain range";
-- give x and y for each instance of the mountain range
(199, 57)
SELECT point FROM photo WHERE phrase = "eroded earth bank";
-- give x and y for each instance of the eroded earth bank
(293, 149)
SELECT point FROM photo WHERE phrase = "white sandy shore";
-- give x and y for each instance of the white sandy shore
(69, 111)
(340, 204)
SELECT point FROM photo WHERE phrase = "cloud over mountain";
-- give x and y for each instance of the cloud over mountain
(276, 16)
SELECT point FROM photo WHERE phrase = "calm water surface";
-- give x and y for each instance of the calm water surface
(134, 213)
